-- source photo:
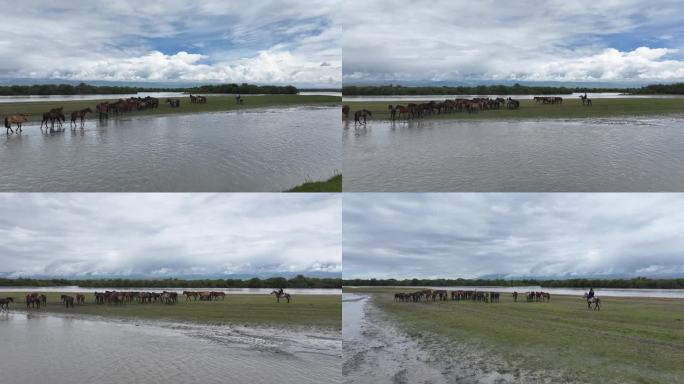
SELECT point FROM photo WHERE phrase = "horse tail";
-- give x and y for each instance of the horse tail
(7, 123)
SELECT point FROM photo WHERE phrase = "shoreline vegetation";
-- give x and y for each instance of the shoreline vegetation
(87, 89)
(34, 110)
(529, 109)
(320, 311)
(517, 89)
(635, 283)
(628, 340)
(333, 184)
(298, 281)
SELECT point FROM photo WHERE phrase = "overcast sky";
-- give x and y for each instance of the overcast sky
(469, 235)
(265, 41)
(164, 235)
(527, 40)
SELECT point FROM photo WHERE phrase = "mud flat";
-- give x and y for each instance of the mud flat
(631, 340)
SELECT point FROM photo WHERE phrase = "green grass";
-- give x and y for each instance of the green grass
(322, 311)
(631, 340)
(333, 184)
(35, 110)
(571, 108)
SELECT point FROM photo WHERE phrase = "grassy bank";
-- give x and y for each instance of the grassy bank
(333, 184)
(323, 311)
(631, 340)
(35, 110)
(571, 108)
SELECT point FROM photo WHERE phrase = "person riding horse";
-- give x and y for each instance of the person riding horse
(280, 291)
(591, 293)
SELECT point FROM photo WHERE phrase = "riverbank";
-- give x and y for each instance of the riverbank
(320, 311)
(570, 108)
(631, 340)
(333, 184)
(34, 110)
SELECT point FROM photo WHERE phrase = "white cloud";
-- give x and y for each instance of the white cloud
(169, 234)
(524, 40)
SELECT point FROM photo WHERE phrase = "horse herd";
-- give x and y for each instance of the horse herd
(36, 300)
(103, 110)
(433, 295)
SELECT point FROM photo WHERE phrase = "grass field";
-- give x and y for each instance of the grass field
(571, 108)
(333, 184)
(35, 110)
(631, 340)
(322, 311)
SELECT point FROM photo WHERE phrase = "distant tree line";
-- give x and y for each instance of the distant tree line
(639, 282)
(516, 89)
(298, 281)
(86, 89)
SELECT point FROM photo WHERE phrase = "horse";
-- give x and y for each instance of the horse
(33, 300)
(68, 300)
(80, 299)
(361, 113)
(345, 111)
(393, 111)
(15, 119)
(239, 100)
(593, 300)
(102, 110)
(4, 303)
(585, 99)
(79, 115)
(174, 103)
(281, 295)
(52, 115)
(189, 294)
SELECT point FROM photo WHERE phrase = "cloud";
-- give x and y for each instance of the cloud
(168, 234)
(471, 235)
(486, 40)
(239, 41)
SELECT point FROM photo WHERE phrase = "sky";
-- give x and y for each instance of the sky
(267, 41)
(512, 235)
(612, 41)
(167, 235)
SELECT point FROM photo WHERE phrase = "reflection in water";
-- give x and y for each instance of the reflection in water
(254, 150)
(629, 154)
(69, 350)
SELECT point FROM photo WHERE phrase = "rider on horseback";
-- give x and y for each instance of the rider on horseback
(591, 293)
(280, 291)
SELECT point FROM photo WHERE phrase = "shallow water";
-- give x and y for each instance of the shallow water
(247, 291)
(36, 98)
(612, 292)
(627, 155)
(69, 350)
(251, 151)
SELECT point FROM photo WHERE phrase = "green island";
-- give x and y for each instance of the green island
(319, 311)
(570, 108)
(34, 110)
(630, 340)
(333, 184)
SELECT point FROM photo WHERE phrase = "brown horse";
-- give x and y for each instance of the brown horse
(68, 300)
(51, 116)
(33, 300)
(80, 299)
(363, 113)
(173, 103)
(15, 119)
(75, 115)
(345, 111)
(102, 110)
(4, 303)
(283, 295)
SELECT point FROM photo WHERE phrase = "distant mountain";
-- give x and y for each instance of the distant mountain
(140, 84)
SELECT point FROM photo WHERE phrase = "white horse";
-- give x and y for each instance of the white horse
(593, 300)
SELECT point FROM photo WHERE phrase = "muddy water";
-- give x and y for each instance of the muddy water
(68, 350)
(265, 149)
(376, 352)
(578, 155)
